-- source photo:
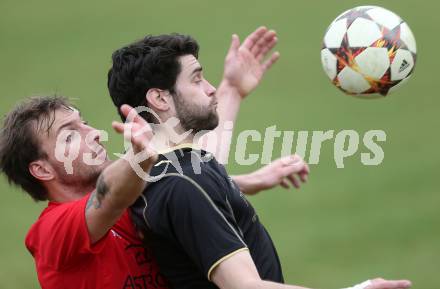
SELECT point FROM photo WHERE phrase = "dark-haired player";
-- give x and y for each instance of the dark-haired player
(85, 237)
(202, 230)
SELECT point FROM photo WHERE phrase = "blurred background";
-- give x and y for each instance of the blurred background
(345, 225)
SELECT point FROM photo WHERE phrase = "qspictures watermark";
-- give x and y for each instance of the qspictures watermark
(346, 144)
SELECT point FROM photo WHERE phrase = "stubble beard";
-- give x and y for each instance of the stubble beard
(84, 175)
(194, 117)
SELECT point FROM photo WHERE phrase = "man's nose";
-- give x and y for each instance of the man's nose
(210, 91)
(94, 132)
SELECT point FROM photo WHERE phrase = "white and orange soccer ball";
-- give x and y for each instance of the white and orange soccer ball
(368, 50)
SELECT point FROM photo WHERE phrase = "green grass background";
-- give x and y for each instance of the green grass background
(345, 225)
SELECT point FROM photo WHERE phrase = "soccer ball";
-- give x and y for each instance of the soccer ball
(368, 50)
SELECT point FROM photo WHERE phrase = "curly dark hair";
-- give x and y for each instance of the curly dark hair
(19, 144)
(148, 63)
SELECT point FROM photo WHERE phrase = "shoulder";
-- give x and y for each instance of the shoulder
(186, 182)
(193, 168)
(54, 216)
(190, 177)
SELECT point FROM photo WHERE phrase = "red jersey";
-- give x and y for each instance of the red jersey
(65, 258)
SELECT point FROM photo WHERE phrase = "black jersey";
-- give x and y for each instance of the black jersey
(195, 217)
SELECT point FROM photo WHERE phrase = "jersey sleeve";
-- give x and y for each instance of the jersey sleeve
(61, 237)
(201, 220)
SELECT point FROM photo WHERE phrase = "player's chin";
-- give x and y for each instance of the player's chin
(213, 121)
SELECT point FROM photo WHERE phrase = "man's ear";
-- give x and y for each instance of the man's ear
(41, 170)
(158, 99)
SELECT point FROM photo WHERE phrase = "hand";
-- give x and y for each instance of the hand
(245, 65)
(380, 283)
(137, 131)
(282, 171)
(279, 172)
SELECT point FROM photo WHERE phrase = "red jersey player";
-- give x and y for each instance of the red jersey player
(85, 237)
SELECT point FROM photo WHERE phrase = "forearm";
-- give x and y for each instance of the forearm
(229, 101)
(117, 188)
(249, 184)
(119, 185)
(261, 284)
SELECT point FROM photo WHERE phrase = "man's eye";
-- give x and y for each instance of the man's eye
(85, 122)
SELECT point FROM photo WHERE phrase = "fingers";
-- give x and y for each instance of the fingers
(294, 165)
(265, 49)
(304, 174)
(137, 131)
(122, 128)
(284, 183)
(307, 168)
(389, 284)
(235, 44)
(118, 127)
(134, 132)
(132, 115)
(253, 38)
(294, 181)
(125, 109)
(263, 43)
(268, 64)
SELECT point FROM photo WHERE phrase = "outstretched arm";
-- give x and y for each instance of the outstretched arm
(119, 186)
(239, 272)
(245, 66)
(291, 169)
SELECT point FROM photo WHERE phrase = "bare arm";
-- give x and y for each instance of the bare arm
(239, 272)
(245, 66)
(119, 186)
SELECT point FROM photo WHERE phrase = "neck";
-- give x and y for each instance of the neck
(62, 193)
